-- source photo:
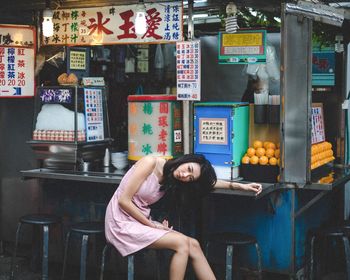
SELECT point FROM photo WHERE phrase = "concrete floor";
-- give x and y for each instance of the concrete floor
(23, 271)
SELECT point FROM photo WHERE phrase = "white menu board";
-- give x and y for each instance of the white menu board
(17, 61)
(188, 70)
(94, 114)
(317, 122)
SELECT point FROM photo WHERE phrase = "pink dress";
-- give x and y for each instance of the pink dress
(124, 232)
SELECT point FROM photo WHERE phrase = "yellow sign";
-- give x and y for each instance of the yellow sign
(242, 40)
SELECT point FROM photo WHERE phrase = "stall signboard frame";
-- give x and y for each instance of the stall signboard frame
(115, 25)
(17, 61)
(242, 47)
(317, 124)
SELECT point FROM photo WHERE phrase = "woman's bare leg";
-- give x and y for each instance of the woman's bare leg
(200, 264)
(179, 243)
(184, 247)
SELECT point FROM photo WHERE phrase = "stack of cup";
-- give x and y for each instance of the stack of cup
(119, 159)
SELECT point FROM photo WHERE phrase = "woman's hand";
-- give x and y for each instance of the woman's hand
(164, 225)
(254, 187)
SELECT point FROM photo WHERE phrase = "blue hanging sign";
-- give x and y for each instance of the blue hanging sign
(323, 68)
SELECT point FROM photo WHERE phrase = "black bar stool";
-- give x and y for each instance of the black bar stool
(85, 229)
(231, 240)
(131, 268)
(325, 235)
(43, 220)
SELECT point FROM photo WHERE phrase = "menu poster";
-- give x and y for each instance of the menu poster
(94, 114)
(115, 25)
(213, 131)
(188, 67)
(17, 61)
(317, 131)
(77, 60)
(242, 47)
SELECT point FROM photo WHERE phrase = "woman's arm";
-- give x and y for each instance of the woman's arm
(143, 168)
(254, 187)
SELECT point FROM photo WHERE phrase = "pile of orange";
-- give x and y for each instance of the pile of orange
(321, 153)
(263, 153)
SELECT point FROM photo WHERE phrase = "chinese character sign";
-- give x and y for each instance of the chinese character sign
(115, 25)
(77, 60)
(150, 129)
(16, 72)
(242, 47)
(188, 70)
(17, 56)
(17, 35)
(213, 131)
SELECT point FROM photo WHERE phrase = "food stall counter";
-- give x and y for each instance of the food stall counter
(266, 189)
(105, 175)
(114, 176)
(336, 176)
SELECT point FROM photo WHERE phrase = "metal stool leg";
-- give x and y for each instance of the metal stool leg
(65, 255)
(312, 252)
(207, 249)
(347, 256)
(103, 259)
(131, 267)
(83, 256)
(15, 251)
(45, 261)
(158, 260)
(258, 253)
(229, 257)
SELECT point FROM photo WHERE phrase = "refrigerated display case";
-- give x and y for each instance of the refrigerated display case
(70, 126)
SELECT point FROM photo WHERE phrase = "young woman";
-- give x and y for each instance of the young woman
(128, 225)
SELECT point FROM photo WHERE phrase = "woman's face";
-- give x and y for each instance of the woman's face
(187, 172)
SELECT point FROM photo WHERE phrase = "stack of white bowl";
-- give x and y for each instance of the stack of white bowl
(119, 160)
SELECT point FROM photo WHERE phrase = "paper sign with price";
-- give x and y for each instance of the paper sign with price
(17, 61)
(177, 136)
(188, 70)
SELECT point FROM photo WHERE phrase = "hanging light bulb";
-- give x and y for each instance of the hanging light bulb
(140, 19)
(231, 20)
(47, 22)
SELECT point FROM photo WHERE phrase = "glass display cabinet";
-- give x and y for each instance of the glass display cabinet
(70, 126)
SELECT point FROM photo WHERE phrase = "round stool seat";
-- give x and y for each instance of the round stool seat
(346, 225)
(333, 231)
(40, 219)
(88, 227)
(233, 238)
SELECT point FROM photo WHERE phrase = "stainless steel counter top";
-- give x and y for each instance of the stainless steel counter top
(106, 175)
(266, 189)
(336, 175)
(111, 175)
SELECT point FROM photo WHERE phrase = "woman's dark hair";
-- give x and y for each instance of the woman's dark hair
(183, 198)
(203, 185)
